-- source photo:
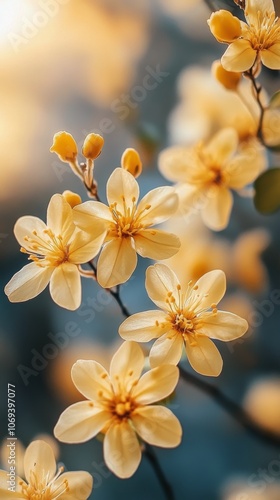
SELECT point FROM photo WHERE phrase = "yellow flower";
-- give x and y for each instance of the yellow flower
(120, 405)
(251, 42)
(43, 481)
(229, 79)
(92, 146)
(188, 317)
(128, 226)
(56, 249)
(206, 173)
(131, 162)
(64, 145)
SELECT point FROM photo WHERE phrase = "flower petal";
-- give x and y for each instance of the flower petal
(167, 349)
(271, 57)
(59, 217)
(122, 453)
(239, 56)
(79, 485)
(122, 185)
(242, 170)
(90, 378)
(86, 215)
(116, 263)
(224, 26)
(216, 212)
(65, 286)
(39, 460)
(192, 198)
(175, 163)
(223, 325)
(208, 290)
(256, 7)
(144, 326)
(160, 280)
(222, 146)
(156, 384)
(203, 355)
(157, 426)
(156, 244)
(127, 365)
(28, 282)
(25, 227)
(162, 203)
(80, 422)
(5, 494)
(84, 246)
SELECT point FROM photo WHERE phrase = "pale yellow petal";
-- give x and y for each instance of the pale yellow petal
(87, 214)
(25, 227)
(222, 146)
(192, 198)
(160, 280)
(156, 384)
(208, 290)
(59, 217)
(239, 56)
(79, 485)
(157, 205)
(127, 365)
(121, 184)
(84, 246)
(158, 426)
(175, 162)
(156, 244)
(90, 378)
(216, 212)
(122, 453)
(117, 261)
(144, 326)
(241, 171)
(80, 422)
(256, 7)
(224, 326)
(39, 460)
(28, 282)
(203, 355)
(167, 349)
(271, 57)
(65, 286)
(5, 494)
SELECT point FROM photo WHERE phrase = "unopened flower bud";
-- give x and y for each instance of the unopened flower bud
(224, 26)
(131, 162)
(229, 79)
(72, 198)
(93, 145)
(64, 145)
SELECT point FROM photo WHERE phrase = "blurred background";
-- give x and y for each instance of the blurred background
(81, 66)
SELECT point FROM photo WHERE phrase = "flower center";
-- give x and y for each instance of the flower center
(42, 490)
(266, 33)
(127, 222)
(46, 249)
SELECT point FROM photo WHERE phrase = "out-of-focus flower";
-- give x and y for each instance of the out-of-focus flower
(188, 317)
(43, 480)
(262, 402)
(207, 173)
(56, 249)
(92, 146)
(72, 198)
(120, 405)
(129, 226)
(229, 79)
(131, 162)
(251, 42)
(5, 457)
(64, 145)
(238, 490)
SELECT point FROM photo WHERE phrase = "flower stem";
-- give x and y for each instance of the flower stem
(151, 456)
(257, 88)
(232, 408)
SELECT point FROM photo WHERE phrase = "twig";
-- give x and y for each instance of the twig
(257, 88)
(151, 456)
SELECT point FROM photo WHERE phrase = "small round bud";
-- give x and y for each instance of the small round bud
(229, 79)
(93, 145)
(131, 162)
(224, 26)
(72, 198)
(64, 145)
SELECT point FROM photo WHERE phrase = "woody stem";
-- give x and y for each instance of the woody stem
(257, 88)
(151, 456)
